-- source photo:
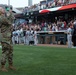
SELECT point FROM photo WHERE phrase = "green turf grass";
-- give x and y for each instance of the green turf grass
(38, 60)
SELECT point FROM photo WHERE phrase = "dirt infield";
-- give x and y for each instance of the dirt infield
(53, 45)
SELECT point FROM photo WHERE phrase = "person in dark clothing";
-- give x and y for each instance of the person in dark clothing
(74, 36)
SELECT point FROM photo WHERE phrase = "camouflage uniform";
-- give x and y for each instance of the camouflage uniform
(5, 32)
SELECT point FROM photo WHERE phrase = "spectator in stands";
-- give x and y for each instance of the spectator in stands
(65, 24)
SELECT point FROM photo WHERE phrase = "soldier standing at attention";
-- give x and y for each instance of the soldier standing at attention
(5, 31)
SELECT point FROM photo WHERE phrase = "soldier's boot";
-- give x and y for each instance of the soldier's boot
(11, 67)
(3, 68)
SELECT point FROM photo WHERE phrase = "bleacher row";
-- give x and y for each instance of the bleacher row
(46, 5)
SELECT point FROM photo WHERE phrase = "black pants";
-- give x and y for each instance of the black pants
(74, 40)
(31, 43)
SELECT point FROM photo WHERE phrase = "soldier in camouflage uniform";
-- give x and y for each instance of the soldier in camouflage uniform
(5, 32)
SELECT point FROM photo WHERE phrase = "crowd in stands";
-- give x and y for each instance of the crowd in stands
(46, 5)
(48, 26)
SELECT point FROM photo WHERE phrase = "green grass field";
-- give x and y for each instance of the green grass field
(38, 60)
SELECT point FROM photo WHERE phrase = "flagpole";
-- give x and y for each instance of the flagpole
(8, 2)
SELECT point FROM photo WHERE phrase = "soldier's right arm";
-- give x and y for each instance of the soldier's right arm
(0, 23)
(0, 35)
